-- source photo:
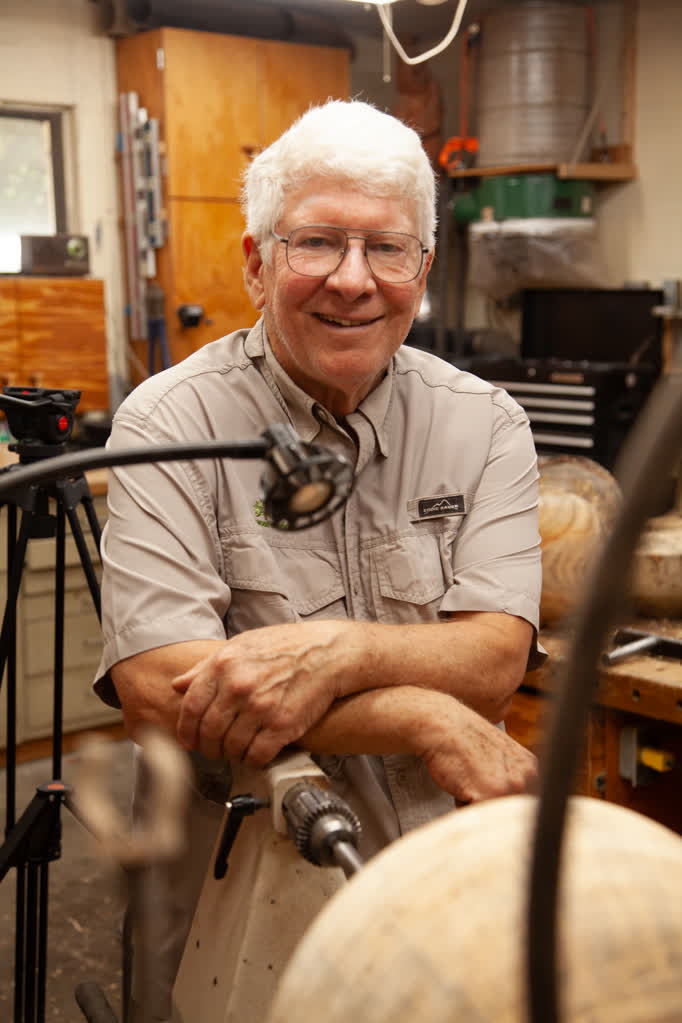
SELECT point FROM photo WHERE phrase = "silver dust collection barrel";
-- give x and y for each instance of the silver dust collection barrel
(533, 83)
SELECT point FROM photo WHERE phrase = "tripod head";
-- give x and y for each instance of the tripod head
(40, 419)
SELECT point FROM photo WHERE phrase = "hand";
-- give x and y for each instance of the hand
(474, 760)
(261, 690)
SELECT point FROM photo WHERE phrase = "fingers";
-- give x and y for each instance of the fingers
(201, 688)
(496, 766)
(253, 695)
(221, 723)
(239, 738)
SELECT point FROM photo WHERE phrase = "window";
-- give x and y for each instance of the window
(32, 196)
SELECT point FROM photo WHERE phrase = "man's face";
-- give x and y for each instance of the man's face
(335, 335)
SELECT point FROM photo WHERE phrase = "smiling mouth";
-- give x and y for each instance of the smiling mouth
(336, 321)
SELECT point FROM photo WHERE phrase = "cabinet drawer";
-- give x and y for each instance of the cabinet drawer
(41, 554)
(82, 644)
(77, 602)
(82, 707)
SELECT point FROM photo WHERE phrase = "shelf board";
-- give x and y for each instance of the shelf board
(568, 171)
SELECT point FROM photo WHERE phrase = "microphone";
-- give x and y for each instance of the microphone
(303, 483)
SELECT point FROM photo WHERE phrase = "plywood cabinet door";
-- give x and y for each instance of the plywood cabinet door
(297, 76)
(213, 104)
(219, 100)
(226, 97)
(9, 332)
(206, 255)
(63, 337)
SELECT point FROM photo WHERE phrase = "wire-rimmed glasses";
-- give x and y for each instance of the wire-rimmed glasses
(317, 251)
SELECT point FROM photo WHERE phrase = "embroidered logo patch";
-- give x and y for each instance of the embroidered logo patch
(262, 517)
(431, 507)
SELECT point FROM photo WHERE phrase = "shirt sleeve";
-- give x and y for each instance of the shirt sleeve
(497, 557)
(161, 556)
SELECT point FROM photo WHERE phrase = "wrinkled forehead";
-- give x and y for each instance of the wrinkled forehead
(342, 203)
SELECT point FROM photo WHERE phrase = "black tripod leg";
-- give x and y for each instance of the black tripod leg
(93, 522)
(41, 976)
(84, 555)
(11, 659)
(16, 553)
(58, 689)
(30, 846)
(19, 943)
(15, 569)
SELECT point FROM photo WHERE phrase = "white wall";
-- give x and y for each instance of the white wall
(53, 54)
(641, 223)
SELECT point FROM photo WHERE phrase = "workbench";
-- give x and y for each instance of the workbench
(641, 693)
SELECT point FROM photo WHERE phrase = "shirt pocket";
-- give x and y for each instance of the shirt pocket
(408, 580)
(278, 582)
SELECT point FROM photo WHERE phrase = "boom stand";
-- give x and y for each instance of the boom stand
(34, 840)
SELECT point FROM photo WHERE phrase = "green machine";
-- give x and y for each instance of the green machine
(507, 196)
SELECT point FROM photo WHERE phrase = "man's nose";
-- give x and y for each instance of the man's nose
(353, 271)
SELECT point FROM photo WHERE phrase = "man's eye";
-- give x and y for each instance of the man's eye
(384, 248)
(316, 242)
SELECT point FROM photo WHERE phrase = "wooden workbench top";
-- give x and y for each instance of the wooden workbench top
(644, 684)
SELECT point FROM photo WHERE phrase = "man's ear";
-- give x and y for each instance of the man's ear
(253, 271)
(428, 260)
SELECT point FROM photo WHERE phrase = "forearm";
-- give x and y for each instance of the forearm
(378, 721)
(466, 755)
(143, 684)
(478, 658)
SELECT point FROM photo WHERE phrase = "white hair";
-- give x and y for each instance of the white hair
(349, 141)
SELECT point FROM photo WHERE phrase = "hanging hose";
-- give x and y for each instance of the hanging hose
(651, 451)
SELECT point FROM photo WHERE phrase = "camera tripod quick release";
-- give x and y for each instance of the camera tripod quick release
(38, 418)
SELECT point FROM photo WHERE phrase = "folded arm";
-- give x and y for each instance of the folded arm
(337, 686)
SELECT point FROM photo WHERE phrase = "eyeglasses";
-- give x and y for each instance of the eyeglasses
(318, 251)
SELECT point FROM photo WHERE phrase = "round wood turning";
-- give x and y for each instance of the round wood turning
(432, 929)
(578, 504)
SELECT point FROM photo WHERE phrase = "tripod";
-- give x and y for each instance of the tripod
(33, 841)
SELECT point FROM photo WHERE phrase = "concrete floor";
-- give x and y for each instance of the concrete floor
(85, 902)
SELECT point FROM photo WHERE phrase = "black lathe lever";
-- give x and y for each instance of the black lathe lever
(239, 808)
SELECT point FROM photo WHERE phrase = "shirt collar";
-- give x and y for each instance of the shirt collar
(304, 411)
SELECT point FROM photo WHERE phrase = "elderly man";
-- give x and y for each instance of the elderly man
(388, 640)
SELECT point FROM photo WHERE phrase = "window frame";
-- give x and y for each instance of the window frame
(55, 119)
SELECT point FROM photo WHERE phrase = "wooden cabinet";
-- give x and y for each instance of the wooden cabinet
(9, 332)
(218, 99)
(53, 334)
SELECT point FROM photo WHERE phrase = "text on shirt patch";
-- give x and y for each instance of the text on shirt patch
(452, 504)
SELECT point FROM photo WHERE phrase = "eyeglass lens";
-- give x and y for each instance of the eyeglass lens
(318, 251)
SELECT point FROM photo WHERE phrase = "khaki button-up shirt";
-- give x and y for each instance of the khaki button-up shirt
(442, 518)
